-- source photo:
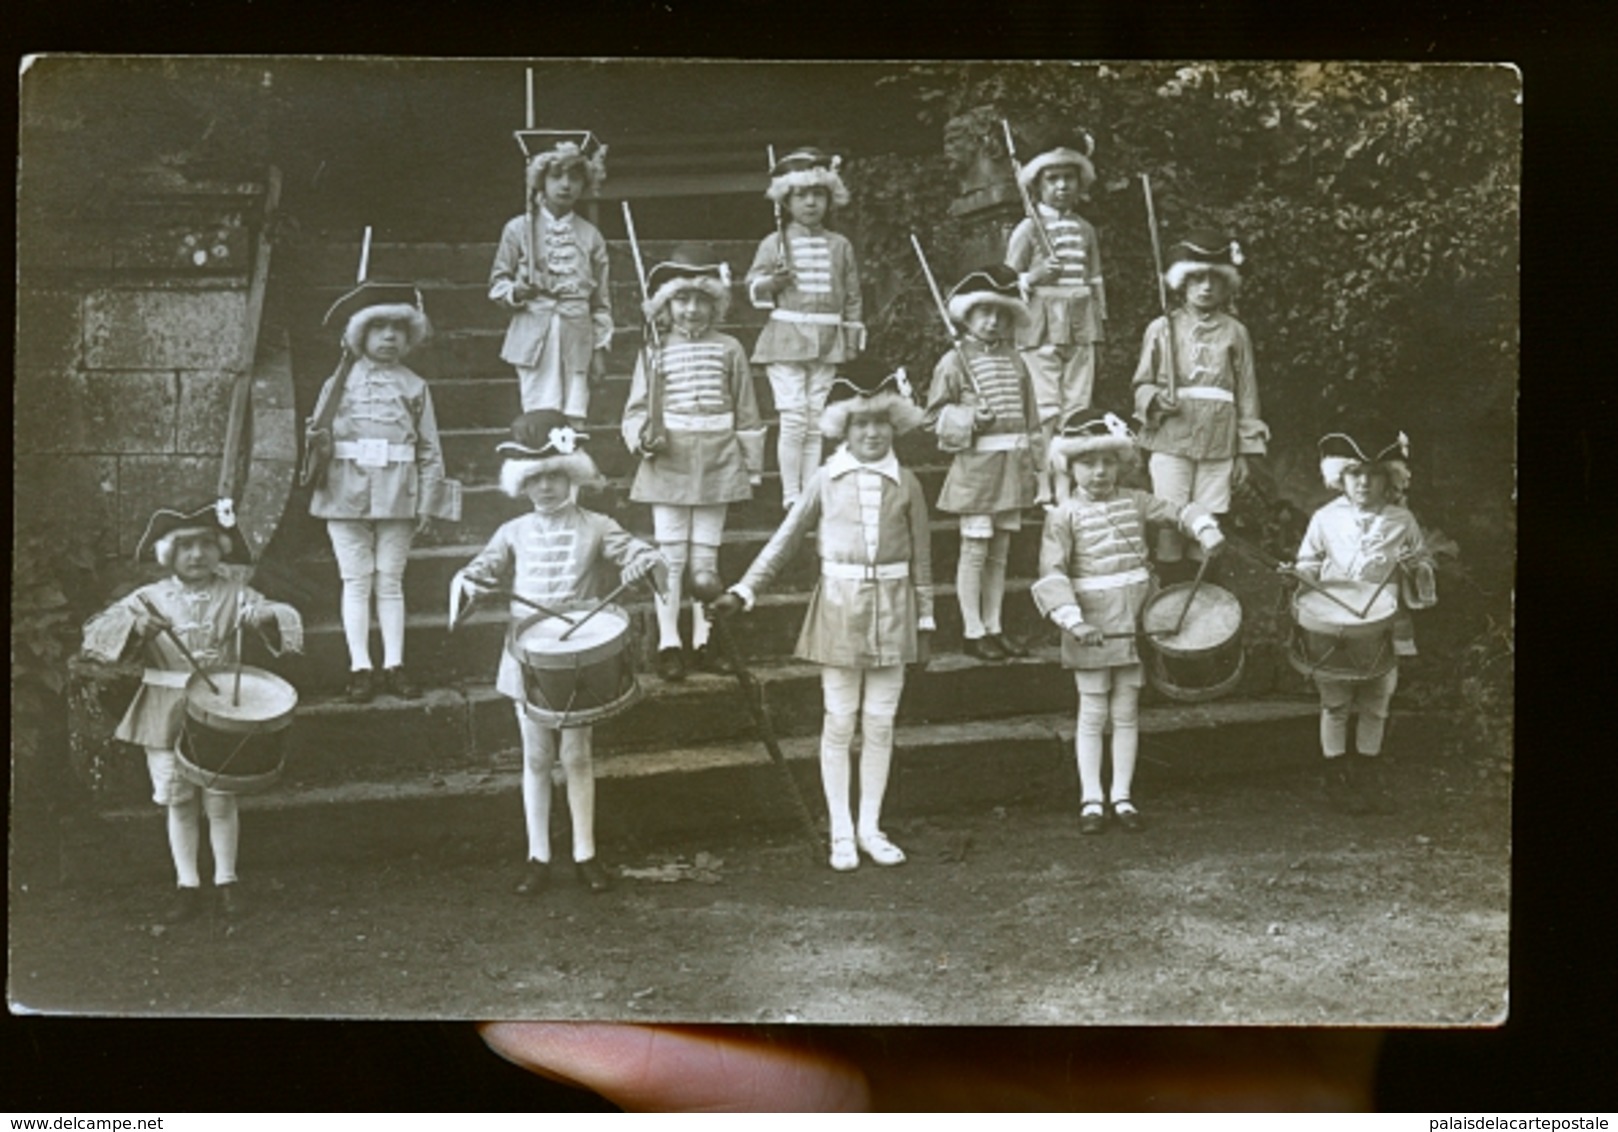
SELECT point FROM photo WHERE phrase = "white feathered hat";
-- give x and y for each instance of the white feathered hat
(807, 168)
(867, 386)
(691, 267)
(991, 285)
(541, 441)
(1074, 150)
(1204, 250)
(1340, 452)
(376, 302)
(545, 149)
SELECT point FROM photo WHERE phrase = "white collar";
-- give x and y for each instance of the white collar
(843, 461)
(555, 221)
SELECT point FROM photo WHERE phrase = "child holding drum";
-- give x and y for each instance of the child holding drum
(1093, 584)
(1196, 393)
(557, 555)
(872, 609)
(693, 417)
(1363, 556)
(192, 617)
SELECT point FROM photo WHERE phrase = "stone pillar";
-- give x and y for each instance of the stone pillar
(988, 205)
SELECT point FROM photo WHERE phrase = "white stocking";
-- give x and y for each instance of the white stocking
(224, 834)
(185, 836)
(581, 789)
(836, 736)
(994, 581)
(702, 558)
(538, 756)
(876, 756)
(357, 621)
(668, 606)
(1125, 738)
(390, 616)
(969, 585)
(1092, 721)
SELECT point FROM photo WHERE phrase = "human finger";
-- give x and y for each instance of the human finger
(661, 1068)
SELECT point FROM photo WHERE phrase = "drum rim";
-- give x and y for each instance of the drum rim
(611, 646)
(1179, 653)
(585, 717)
(234, 725)
(223, 781)
(1187, 695)
(1364, 627)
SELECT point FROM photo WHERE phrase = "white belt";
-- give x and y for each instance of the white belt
(810, 317)
(860, 572)
(1000, 442)
(1111, 581)
(1206, 393)
(700, 422)
(356, 450)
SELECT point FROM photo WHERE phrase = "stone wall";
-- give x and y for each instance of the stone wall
(132, 333)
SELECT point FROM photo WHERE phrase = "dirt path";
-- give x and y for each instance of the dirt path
(1246, 901)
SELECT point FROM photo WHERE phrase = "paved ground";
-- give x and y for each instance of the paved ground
(1247, 901)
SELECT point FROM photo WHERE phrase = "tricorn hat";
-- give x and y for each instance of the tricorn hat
(1090, 430)
(371, 302)
(543, 440)
(864, 385)
(807, 168)
(994, 284)
(1204, 250)
(1389, 451)
(168, 521)
(692, 266)
(542, 149)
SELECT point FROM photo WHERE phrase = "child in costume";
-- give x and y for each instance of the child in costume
(1202, 434)
(693, 418)
(1093, 583)
(556, 554)
(989, 419)
(550, 272)
(1062, 280)
(386, 481)
(204, 605)
(872, 609)
(1364, 535)
(811, 287)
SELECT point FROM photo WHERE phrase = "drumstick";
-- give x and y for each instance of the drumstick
(1378, 593)
(1292, 571)
(1192, 596)
(236, 692)
(599, 606)
(179, 644)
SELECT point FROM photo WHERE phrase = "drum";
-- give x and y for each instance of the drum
(236, 743)
(1204, 659)
(1329, 640)
(578, 681)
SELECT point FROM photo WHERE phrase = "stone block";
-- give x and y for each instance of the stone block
(146, 483)
(52, 492)
(43, 246)
(48, 410)
(47, 328)
(129, 412)
(173, 329)
(204, 411)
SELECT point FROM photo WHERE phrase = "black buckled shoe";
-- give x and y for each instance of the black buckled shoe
(361, 686)
(396, 683)
(1092, 818)
(536, 878)
(231, 901)
(1127, 816)
(1007, 645)
(670, 665)
(185, 904)
(984, 648)
(593, 875)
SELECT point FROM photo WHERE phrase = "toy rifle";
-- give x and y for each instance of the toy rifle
(949, 325)
(317, 438)
(654, 437)
(1028, 205)
(780, 220)
(1162, 292)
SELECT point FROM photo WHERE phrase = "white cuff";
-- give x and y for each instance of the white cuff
(745, 592)
(1202, 523)
(926, 625)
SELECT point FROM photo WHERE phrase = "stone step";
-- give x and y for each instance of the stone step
(438, 657)
(431, 566)
(467, 306)
(728, 787)
(433, 263)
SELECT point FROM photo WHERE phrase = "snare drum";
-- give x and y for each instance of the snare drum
(1329, 640)
(236, 742)
(1204, 659)
(578, 681)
